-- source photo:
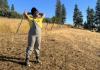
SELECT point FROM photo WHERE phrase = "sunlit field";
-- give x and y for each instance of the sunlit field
(11, 25)
(62, 48)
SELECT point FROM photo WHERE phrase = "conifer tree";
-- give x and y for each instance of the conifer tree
(90, 18)
(97, 15)
(77, 17)
(63, 13)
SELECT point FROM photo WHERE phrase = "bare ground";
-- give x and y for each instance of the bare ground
(62, 49)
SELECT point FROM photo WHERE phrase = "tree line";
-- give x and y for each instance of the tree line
(60, 14)
(93, 18)
(6, 11)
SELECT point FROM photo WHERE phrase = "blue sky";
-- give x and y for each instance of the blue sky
(48, 6)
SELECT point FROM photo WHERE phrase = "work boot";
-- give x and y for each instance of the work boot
(38, 60)
(27, 62)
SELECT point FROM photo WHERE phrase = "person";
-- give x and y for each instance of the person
(34, 35)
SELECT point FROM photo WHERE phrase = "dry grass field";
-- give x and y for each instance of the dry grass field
(62, 48)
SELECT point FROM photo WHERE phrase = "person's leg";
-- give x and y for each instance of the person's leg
(37, 47)
(31, 42)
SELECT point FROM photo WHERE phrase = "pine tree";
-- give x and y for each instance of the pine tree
(4, 5)
(77, 17)
(53, 19)
(58, 12)
(63, 13)
(12, 8)
(76, 11)
(85, 25)
(97, 15)
(90, 18)
(80, 18)
(4, 8)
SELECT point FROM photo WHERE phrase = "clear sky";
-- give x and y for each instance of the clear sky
(48, 6)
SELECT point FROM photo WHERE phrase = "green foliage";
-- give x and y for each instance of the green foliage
(12, 7)
(63, 13)
(53, 19)
(90, 18)
(97, 15)
(15, 15)
(58, 9)
(0, 13)
(60, 13)
(4, 5)
(47, 20)
(85, 25)
(77, 17)
(6, 12)
(4, 8)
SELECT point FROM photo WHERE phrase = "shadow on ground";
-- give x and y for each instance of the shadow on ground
(12, 59)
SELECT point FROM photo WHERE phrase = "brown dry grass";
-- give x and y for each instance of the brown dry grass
(62, 49)
(11, 25)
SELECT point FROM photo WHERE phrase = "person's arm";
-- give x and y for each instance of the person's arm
(41, 15)
(28, 17)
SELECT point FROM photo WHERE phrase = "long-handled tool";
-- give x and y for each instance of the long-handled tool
(20, 24)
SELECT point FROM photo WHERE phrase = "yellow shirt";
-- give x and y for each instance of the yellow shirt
(37, 20)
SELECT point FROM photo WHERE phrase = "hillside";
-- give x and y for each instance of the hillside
(62, 49)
